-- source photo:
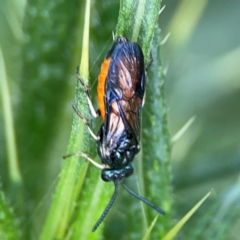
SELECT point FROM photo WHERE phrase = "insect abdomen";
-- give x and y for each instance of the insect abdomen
(101, 86)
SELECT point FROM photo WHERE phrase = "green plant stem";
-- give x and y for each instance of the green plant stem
(8, 229)
(13, 165)
(154, 160)
(74, 171)
(156, 143)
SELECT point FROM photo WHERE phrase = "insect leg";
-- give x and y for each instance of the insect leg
(86, 157)
(150, 62)
(86, 122)
(146, 69)
(94, 113)
(144, 97)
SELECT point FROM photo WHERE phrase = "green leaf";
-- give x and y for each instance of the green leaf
(150, 228)
(74, 171)
(137, 20)
(154, 169)
(219, 218)
(153, 163)
(174, 231)
(16, 184)
(8, 228)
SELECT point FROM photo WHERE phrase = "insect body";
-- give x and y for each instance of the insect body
(121, 88)
(120, 105)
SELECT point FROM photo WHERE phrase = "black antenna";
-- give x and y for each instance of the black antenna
(107, 208)
(143, 199)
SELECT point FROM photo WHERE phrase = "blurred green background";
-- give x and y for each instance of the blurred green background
(201, 58)
(203, 80)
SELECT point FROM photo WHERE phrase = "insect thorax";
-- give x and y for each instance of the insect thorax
(117, 155)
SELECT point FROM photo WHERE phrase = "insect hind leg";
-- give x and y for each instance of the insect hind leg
(94, 113)
(146, 69)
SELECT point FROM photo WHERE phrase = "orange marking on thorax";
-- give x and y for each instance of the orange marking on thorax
(101, 86)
